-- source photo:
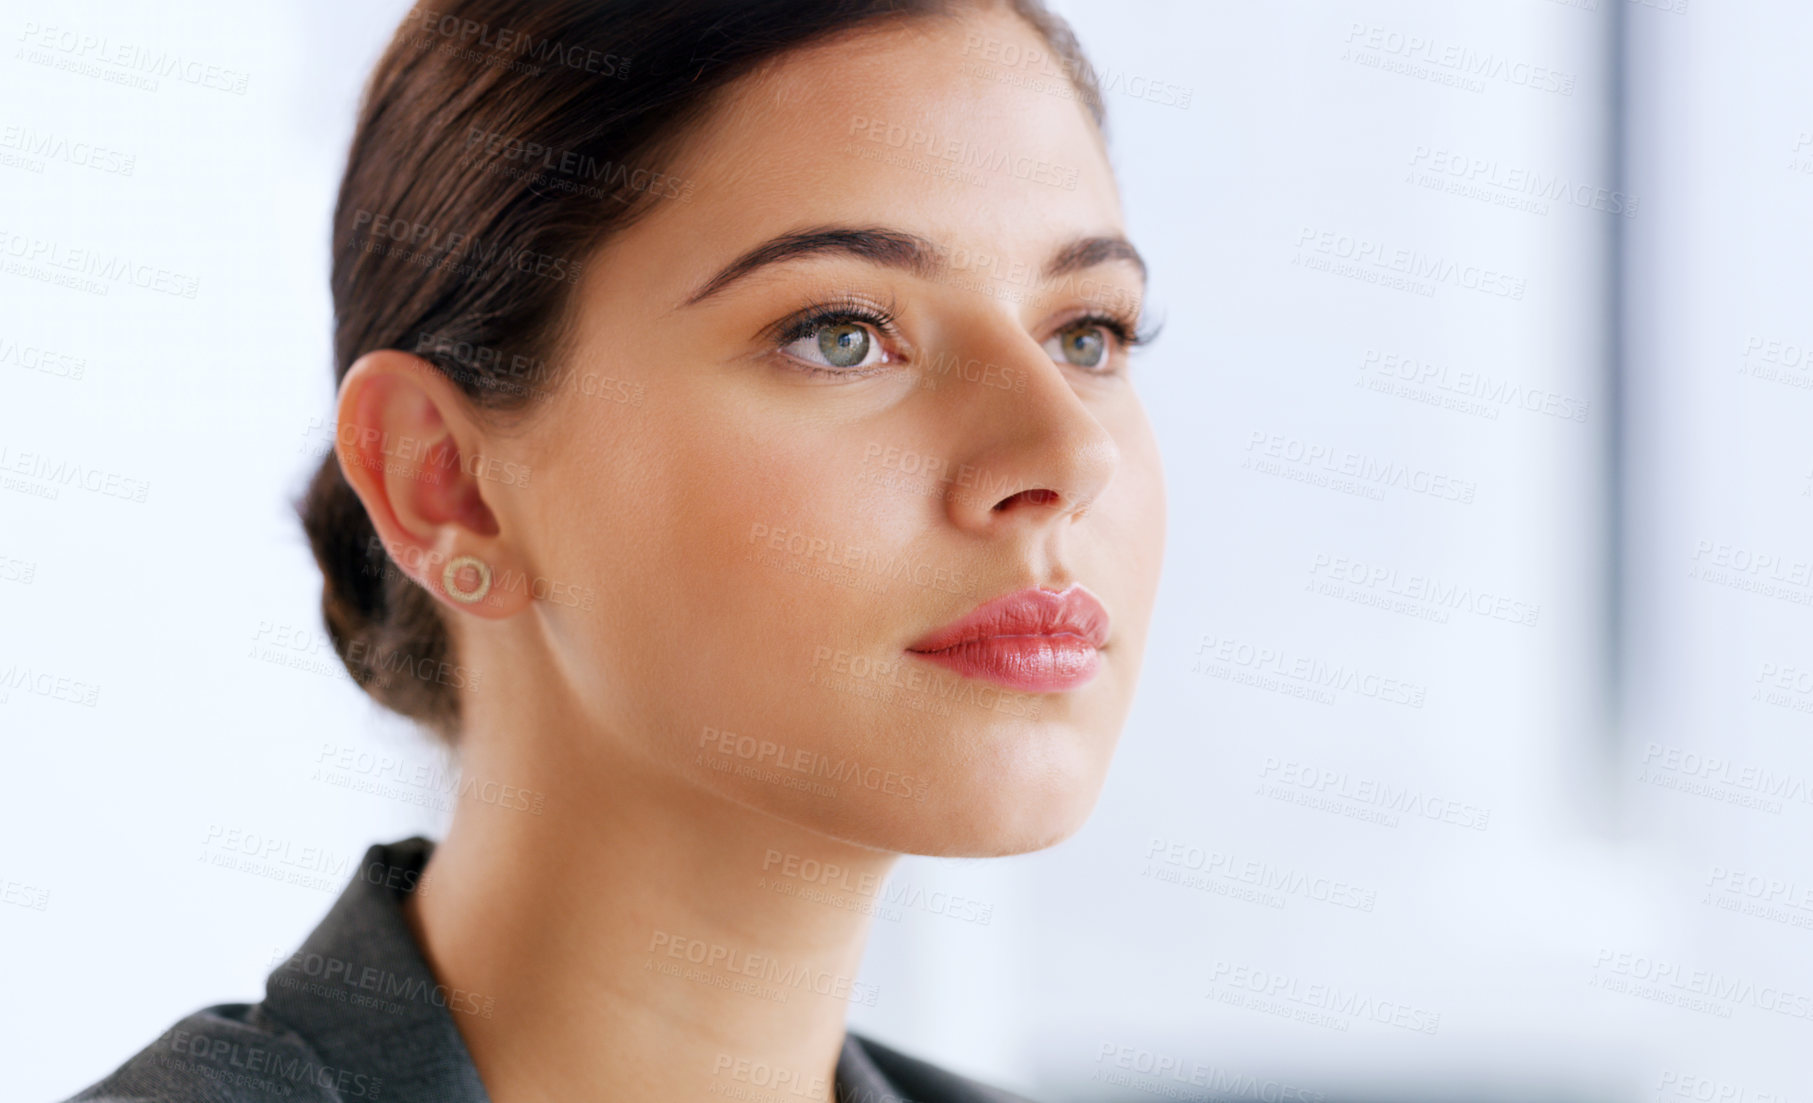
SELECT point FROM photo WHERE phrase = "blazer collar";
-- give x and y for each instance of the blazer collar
(360, 993)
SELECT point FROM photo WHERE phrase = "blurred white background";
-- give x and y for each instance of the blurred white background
(1485, 389)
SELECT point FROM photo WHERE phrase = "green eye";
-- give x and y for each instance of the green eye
(844, 346)
(1084, 345)
(837, 344)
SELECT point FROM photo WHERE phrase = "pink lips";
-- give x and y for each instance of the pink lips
(1037, 641)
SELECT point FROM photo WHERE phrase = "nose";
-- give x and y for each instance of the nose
(1038, 454)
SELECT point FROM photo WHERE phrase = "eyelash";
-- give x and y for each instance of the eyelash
(850, 308)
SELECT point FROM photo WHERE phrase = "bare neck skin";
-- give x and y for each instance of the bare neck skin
(629, 936)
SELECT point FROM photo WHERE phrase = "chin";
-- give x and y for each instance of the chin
(1036, 788)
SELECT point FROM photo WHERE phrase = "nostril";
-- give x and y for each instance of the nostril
(1040, 496)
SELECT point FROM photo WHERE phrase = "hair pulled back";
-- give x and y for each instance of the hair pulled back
(498, 143)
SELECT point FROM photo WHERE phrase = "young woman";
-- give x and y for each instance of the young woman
(738, 463)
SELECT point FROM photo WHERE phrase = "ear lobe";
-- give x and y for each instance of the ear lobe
(404, 431)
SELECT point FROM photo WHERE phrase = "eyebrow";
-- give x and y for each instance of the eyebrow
(908, 252)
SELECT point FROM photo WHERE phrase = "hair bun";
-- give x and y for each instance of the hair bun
(383, 626)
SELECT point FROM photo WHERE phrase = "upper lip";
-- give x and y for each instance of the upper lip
(1029, 612)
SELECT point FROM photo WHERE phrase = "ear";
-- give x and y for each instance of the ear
(412, 449)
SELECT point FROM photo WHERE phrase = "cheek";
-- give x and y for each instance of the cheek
(751, 562)
(1135, 505)
(1149, 471)
(773, 529)
(787, 629)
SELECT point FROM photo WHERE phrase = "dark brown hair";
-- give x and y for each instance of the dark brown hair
(500, 142)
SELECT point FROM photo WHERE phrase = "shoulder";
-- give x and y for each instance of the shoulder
(923, 1082)
(228, 1053)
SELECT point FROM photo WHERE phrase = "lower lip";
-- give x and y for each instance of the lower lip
(1031, 664)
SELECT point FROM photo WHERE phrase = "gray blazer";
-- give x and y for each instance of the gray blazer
(356, 1016)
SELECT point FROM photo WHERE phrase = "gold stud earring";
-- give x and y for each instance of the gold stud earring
(450, 579)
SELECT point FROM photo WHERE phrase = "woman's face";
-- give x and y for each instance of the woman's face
(770, 509)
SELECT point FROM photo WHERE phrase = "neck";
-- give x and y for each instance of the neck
(640, 937)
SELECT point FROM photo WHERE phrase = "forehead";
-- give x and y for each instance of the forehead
(907, 125)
